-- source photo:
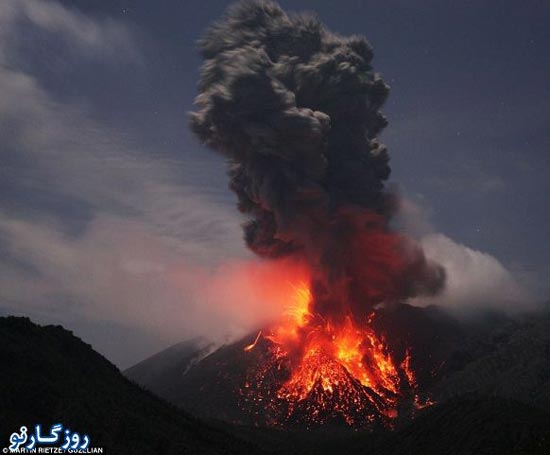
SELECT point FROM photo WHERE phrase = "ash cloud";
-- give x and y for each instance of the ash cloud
(296, 110)
(476, 281)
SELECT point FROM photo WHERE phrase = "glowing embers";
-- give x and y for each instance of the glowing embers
(322, 391)
(311, 371)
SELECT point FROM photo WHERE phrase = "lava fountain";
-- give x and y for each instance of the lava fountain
(319, 371)
(296, 110)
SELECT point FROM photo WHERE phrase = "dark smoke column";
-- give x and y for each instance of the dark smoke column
(296, 109)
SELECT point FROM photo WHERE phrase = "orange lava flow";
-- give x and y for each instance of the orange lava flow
(336, 370)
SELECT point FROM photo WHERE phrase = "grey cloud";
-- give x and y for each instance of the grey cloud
(476, 281)
(143, 219)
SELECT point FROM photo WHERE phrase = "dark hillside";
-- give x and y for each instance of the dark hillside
(48, 376)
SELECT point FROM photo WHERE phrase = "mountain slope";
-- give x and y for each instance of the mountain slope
(50, 376)
(512, 361)
(212, 387)
(491, 390)
(157, 373)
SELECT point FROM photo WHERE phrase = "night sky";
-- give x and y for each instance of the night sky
(105, 195)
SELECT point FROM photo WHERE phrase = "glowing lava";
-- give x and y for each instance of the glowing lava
(320, 371)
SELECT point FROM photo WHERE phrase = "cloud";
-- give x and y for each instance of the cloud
(104, 37)
(93, 225)
(476, 281)
(118, 270)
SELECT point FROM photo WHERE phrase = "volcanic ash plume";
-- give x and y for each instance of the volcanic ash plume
(296, 109)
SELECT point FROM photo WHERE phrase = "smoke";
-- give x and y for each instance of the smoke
(476, 281)
(296, 110)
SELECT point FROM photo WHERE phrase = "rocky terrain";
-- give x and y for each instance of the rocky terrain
(491, 394)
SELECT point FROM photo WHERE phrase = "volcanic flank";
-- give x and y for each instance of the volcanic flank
(296, 110)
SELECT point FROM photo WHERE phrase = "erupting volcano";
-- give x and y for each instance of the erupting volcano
(296, 109)
(317, 371)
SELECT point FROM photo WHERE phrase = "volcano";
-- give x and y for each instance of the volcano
(254, 381)
(295, 109)
(487, 378)
(315, 372)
